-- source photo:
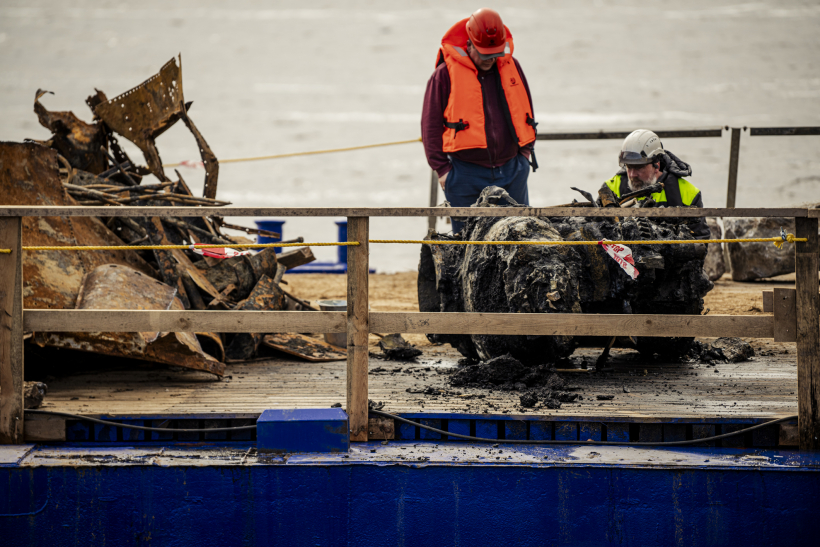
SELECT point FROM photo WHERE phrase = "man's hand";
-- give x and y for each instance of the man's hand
(442, 179)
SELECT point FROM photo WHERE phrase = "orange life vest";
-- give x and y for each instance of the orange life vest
(464, 115)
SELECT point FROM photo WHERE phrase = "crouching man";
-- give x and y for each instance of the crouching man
(644, 162)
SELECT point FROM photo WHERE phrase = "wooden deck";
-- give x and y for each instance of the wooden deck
(761, 388)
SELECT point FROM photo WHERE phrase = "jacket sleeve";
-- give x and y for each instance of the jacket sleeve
(527, 149)
(698, 226)
(432, 120)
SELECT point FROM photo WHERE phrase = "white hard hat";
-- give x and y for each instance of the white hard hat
(640, 147)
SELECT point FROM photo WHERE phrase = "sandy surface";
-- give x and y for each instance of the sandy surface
(278, 77)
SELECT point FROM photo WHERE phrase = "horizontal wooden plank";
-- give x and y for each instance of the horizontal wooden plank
(814, 213)
(752, 326)
(25, 210)
(182, 321)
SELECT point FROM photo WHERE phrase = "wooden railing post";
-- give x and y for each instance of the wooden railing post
(11, 331)
(807, 262)
(358, 326)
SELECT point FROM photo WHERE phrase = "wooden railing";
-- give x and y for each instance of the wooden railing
(798, 322)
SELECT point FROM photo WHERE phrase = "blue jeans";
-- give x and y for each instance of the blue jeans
(465, 181)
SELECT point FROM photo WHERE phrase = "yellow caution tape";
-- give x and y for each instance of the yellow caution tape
(310, 153)
(778, 241)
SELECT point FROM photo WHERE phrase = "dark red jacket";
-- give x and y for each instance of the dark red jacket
(501, 147)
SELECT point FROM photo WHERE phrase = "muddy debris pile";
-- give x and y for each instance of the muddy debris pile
(560, 279)
(506, 373)
(83, 164)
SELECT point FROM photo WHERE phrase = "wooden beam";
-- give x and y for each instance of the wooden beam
(785, 315)
(553, 324)
(45, 428)
(358, 324)
(577, 324)
(767, 301)
(434, 184)
(182, 321)
(807, 263)
(83, 211)
(11, 332)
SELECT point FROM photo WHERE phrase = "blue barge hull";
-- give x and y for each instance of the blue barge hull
(407, 493)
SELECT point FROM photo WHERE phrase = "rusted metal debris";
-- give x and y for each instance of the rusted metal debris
(82, 163)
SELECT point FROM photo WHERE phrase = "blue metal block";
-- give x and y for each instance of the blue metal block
(541, 431)
(566, 431)
(461, 427)
(245, 434)
(78, 431)
(486, 429)
(515, 430)
(674, 432)
(651, 433)
(766, 436)
(430, 435)
(161, 435)
(188, 424)
(617, 432)
(406, 432)
(700, 431)
(218, 435)
(303, 430)
(133, 434)
(590, 430)
(738, 441)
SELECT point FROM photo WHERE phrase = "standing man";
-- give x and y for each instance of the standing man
(644, 162)
(477, 123)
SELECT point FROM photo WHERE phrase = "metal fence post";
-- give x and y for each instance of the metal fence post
(807, 262)
(11, 331)
(358, 326)
(734, 159)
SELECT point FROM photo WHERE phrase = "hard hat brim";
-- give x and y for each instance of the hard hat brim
(633, 158)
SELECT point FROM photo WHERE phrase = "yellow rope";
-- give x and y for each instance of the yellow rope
(778, 241)
(294, 154)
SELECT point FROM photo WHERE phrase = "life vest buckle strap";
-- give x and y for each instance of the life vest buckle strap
(460, 125)
(531, 122)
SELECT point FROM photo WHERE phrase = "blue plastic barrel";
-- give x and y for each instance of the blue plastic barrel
(273, 226)
(342, 250)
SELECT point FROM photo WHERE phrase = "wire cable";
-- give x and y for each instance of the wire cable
(429, 428)
(592, 443)
(140, 427)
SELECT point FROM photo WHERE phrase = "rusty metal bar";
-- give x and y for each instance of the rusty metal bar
(783, 131)
(734, 160)
(604, 135)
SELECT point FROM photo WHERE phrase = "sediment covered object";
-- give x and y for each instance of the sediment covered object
(558, 279)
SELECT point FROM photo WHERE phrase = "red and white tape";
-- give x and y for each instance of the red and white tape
(218, 252)
(622, 255)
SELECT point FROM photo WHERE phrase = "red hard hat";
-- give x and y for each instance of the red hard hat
(487, 33)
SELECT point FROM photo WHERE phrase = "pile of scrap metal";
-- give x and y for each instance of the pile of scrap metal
(83, 163)
(560, 279)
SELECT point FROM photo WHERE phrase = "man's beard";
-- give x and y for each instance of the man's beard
(638, 184)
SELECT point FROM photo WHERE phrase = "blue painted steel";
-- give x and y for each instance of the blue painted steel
(580, 496)
(515, 430)
(541, 431)
(303, 430)
(566, 431)
(618, 432)
(406, 432)
(461, 427)
(271, 226)
(426, 434)
(486, 429)
(342, 251)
